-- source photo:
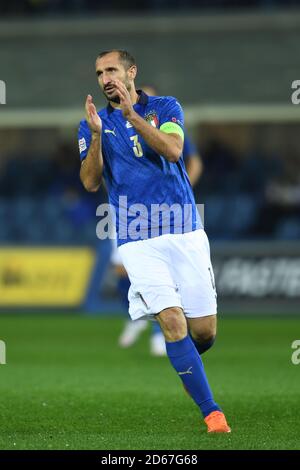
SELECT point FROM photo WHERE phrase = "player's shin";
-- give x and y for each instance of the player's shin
(188, 364)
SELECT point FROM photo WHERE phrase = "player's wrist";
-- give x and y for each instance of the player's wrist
(96, 134)
(131, 116)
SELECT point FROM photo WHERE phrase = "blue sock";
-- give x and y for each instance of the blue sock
(202, 347)
(123, 288)
(188, 364)
(156, 328)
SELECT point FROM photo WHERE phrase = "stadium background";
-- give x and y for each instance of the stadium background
(231, 65)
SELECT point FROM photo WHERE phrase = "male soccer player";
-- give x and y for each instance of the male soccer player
(136, 144)
(133, 329)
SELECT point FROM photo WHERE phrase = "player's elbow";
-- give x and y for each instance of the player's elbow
(173, 158)
(93, 189)
(175, 149)
(91, 186)
(174, 154)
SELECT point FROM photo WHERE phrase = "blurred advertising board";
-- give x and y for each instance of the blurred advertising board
(44, 277)
(258, 277)
(251, 277)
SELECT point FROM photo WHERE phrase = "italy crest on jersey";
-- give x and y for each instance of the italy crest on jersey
(152, 118)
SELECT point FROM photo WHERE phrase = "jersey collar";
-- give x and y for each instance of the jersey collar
(143, 99)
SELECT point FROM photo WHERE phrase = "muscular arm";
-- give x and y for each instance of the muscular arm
(92, 165)
(168, 145)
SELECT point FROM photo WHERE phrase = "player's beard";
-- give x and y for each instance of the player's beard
(115, 98)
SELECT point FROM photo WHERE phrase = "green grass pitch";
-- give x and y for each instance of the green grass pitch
(67, 385)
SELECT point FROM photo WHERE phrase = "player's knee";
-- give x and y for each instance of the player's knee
(203, 345)
(173, 323)
(204, 336)
(204, 331)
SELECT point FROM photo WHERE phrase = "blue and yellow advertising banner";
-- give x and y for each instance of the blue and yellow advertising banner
(45, 277)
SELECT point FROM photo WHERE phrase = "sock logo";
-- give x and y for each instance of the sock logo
(189, 371)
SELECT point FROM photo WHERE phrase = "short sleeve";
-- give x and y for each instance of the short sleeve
(84, 139)
(172, 117)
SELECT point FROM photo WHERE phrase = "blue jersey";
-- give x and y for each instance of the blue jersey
(143, 187)
(189, 148)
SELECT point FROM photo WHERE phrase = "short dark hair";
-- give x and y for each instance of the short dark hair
(124, 56)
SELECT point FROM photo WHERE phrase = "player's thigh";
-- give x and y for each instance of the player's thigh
(145, 263)
(203, 328)
(153, 288)
(194, 274)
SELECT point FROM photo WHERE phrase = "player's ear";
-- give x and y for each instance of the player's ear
(132, 71)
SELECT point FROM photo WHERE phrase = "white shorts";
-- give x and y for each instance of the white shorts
(173, 270)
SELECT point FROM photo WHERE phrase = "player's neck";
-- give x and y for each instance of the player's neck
(133, 96)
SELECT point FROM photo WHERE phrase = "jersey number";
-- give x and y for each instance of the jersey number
(137, 148)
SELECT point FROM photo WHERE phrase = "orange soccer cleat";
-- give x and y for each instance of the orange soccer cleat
(216, 422)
